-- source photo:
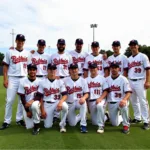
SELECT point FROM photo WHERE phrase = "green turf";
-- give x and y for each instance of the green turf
(19, 138)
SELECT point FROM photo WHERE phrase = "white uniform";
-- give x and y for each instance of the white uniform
(52, 94)
(17, 62)
(79, 58)
(29, 89)
(96, 87)
(62, 61)
(117, 90)
(101, 64)
(136, 74)
(76, 90)
(121, 60)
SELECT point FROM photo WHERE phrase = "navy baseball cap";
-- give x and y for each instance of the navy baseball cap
(41, 42)
(116, 43)
(32, 66)
(20, 37)
(114, 64)
(73, 66)
(93, 65)
(79, 41)
(95, 44)
(133, 42)
(61, 41)
(52, 66)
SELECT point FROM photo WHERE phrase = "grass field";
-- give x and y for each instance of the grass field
(19, 138)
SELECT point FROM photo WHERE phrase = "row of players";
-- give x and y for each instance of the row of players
(136, 67)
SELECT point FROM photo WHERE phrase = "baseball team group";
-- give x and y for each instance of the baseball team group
(52, 87)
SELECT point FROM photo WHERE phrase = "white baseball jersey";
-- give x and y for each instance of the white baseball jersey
(17, 62)
(52, 90)
(62, 61)
(96, 86)
(79, 58)
(101, 64)
(117, 88)
(137, 66)
(76, 89)
(41, 61)
(121, 60)
(28, 88)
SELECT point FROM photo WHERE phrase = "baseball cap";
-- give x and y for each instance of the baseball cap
(116, 43)
(92, 65)
(114, 64)
(51, 66)
(95, 44)
(79, 41)
(41, 42)
(32, 66)
(20, 37)
(133, 42)
(73, 66)
(61, 41)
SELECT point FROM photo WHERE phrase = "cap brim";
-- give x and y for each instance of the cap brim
(114, 66)
(21, 39)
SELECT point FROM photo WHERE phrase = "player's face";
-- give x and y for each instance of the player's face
(52, 72)
(41, 47)
(114, 71)
(79, 47)
(20, 43)
(32, 72)
(73, 72)
(61, 47)
(116, 49)
(134, 47)
(93, 71)
(104, 56)
(95, 50)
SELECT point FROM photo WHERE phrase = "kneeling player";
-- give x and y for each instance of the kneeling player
(98, 88)
(27, 90)
(119, 93)
(54, 94)
(77, 89)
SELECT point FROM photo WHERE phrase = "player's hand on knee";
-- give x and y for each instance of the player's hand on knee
(81, 101)
(28, 104)
(98, 101)
(5, 83)
(147, 85)
(43, 114)
(59, 106)
(123, 103)
(29, 114)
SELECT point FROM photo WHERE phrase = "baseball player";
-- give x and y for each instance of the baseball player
(78, 92)
(98, 88)
(14, 69)
(40, 59)
(139, 78)
(27, 90)
(119, 93)
(54, 94)
(95, 57)
(119, 58)
(78, 56)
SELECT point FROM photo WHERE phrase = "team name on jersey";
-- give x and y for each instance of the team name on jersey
(39, 61)
(50, 91)
(60, 61)
(114, 88)
(79, 59)
(98, 62)
(19, 59)
(134, 64)
(119, 62)
(29, 90)
(74, 89)
(94, 85)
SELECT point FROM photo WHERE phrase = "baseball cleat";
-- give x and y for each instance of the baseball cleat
(100, 130)
(146, 126)
(84, 129)
(125, 130)
(63, 130)
(135, 121)
(4, 126)
(56, 119)
(107, 115)
(36, 131)
(21, 123)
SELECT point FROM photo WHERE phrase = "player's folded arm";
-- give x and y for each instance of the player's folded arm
(64, 93)
(5, 64)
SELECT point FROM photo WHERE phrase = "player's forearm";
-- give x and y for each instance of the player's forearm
(148, 75)
(63, 99)
(5, 71)
(127, 96)
(42, 105)
(22, 97)
(104, 94)
(86, 96)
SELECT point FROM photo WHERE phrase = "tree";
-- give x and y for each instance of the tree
(1, 58)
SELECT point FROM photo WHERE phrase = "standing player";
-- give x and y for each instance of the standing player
(40, 59)
(78, 56)
(119, 58)
(98, 88)
(61, 59)
(53, 93)
(139, 78)
(77, 89)
(27, 90)
(14, 69)
(95, 57)
(119, 93)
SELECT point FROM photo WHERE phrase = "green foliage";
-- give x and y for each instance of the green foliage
(1, 58)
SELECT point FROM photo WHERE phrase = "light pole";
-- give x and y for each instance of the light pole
(94, 26)
(13, 34)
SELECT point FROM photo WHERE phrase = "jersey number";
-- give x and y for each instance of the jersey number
(44, 67)
(137, 70)
(79, 96)
(56, 97)
(97, 92)
(65, 67)
(99, 67)
(118, 95)
(24, 65)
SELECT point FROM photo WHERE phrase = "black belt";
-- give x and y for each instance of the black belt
(135, 79)
(61, 77)
(92, 100)
(80, 74)
(40, 76)
(19, 76)
(112, 102)
(49, 102)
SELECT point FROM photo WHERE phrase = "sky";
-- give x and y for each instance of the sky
(121, 20)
